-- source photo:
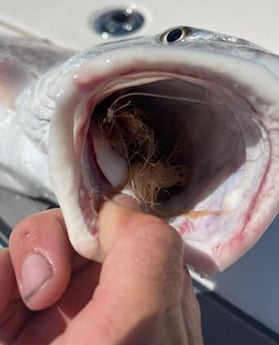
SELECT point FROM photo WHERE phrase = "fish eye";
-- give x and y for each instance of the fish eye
(174, 35)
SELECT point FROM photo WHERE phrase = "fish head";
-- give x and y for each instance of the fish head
(186, 122)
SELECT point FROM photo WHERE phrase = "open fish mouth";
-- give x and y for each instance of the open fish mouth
(154, 136)
(188, 135)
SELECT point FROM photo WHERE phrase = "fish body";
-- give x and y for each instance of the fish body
(203, 107)
(23, 143)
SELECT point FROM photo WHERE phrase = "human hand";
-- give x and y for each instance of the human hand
(141, 294)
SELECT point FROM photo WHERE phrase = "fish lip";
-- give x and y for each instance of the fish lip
(83, 86)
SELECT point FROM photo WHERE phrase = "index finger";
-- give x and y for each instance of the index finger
(41, 258)
(13, 313)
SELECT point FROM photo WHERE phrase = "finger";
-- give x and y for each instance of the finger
(191, 312)
(144, 260)
(41, 256)
(13, 313)
(47, 325)
(141, 243)
(142, 277)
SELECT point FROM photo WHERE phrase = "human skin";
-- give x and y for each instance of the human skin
(140, 294)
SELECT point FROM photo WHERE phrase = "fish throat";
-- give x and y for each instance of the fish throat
(171, 143)
(155, 170)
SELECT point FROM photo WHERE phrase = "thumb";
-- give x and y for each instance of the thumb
(113, 220)
(142, 277)
(143, 253)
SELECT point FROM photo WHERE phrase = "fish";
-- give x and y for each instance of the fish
(185, 121)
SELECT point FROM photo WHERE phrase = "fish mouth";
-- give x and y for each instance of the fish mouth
(192, 149)
(172, 142)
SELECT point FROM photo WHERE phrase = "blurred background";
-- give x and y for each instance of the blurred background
(240, 305)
